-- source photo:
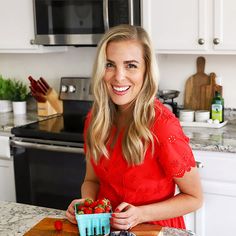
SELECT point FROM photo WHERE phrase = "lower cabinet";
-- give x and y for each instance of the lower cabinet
(7, 182)
(218, 176)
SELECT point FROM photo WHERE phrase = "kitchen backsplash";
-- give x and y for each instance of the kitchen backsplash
(174, 69)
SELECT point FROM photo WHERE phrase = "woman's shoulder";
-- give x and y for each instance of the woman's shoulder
(162, 113)
(165, 121)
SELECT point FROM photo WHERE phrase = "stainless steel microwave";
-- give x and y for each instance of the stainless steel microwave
(81, 22)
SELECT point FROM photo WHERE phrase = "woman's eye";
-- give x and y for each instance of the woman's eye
(130, 65)
(109, 64)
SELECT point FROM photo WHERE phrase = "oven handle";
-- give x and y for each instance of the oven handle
(105, 15)
(55, 148)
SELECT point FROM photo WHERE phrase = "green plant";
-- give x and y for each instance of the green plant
(20, 91)
(6, 88)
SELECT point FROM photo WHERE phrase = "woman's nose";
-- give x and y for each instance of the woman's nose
(119, 74)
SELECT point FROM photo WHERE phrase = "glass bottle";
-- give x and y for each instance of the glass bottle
(217, 107)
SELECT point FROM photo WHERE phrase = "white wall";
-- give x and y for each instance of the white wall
(174, 69)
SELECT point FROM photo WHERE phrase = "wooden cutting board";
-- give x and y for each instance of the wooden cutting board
(193, 85)
(208, 92)
(46, 228)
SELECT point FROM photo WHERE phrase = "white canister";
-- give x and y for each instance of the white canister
(202, 115)
(19, 108)
(186, 115)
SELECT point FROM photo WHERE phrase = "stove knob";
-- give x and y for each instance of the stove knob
(64, 88)
(71, 89)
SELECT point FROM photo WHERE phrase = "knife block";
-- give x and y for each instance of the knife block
(45, 109)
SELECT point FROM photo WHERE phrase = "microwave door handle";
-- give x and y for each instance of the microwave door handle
(105, 15)
(131, 12)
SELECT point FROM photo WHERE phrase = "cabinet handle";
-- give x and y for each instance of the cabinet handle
(199, 164)
(216, 41)
(201, 41)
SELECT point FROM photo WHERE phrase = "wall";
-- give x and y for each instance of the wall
(174, 69)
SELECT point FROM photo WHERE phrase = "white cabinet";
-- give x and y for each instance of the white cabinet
(17, 28)
(218, 176)
(196, 26)
(7, 182)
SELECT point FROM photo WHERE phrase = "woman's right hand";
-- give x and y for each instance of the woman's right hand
(70, 212)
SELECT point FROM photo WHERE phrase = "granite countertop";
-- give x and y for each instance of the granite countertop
(8, 120)
(211, 139)
(16, 219)
(205, 139)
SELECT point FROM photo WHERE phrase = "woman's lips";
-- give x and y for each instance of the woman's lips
(120, 90)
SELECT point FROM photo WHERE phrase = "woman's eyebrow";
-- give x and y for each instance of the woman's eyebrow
(130, 61)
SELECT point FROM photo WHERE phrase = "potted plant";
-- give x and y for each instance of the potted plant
(19, 96)
(6, 91)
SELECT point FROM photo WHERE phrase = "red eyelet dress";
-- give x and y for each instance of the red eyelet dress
(152, 181)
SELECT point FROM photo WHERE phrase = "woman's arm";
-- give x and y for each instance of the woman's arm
(91, 184)
(189, 199)
(89, 189)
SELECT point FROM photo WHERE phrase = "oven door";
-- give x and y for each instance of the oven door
(47, 173)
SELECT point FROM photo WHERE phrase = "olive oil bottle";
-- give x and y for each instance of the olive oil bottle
(217, 107)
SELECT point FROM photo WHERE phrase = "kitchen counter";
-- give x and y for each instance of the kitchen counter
(211, 139)
(16, 219)
(205, 139)
(8, 120)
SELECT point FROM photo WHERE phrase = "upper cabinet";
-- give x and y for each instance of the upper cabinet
(17, 28)
(196, 26)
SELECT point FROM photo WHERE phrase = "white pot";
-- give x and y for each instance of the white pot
(5, 106)
(19, 107)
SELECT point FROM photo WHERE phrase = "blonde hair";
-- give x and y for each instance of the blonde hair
(138, 135)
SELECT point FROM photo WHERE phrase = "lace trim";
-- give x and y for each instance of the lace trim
(176, 156)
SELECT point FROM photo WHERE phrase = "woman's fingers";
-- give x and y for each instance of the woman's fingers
(70, 212)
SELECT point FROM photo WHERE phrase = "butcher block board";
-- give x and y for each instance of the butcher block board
(46, 228)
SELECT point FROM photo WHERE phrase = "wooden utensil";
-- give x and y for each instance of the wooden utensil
(46, 228)
(193, 85)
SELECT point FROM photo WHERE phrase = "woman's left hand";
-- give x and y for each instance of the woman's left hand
(126, 216)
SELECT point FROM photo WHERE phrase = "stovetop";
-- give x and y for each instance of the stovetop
(77, 100)
(63, 128)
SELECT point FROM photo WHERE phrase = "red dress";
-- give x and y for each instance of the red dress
(152, 181)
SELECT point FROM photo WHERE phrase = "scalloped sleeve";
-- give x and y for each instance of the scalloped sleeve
(175, 153)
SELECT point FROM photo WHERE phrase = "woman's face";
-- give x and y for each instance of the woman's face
(125, 69)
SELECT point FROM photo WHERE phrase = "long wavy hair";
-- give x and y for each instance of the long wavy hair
(137, 135)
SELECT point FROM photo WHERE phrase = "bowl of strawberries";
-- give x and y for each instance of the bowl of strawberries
(93, 217)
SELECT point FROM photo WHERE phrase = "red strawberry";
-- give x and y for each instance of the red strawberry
(88, 202)
(88, 210)
(99, 209)
(58, 225)
(94, 204)
(108, 209)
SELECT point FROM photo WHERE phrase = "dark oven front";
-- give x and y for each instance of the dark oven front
(48, 173)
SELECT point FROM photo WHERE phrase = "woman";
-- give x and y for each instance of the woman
(135, 148)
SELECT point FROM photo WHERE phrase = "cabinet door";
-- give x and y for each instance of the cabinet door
(217, 216)
(176, 25)
(17, 28)
(224, 37)
(7, 182)
(16, 24)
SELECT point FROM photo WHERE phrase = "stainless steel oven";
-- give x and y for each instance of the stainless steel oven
(48, 155)
(81, 22)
